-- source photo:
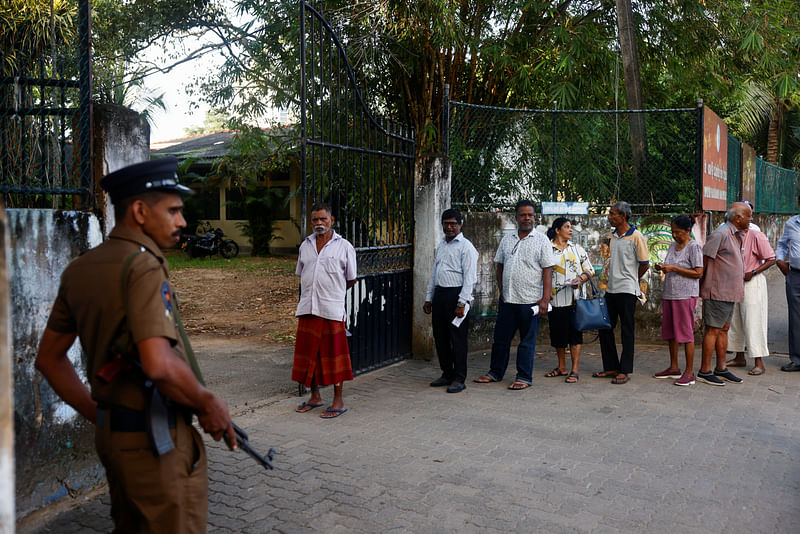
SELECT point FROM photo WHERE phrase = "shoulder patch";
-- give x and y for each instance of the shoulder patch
(166, 296)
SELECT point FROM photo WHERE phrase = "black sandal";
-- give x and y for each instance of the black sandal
(555, 372)
(572, 374)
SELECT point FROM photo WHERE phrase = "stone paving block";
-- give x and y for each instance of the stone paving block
(552, 459)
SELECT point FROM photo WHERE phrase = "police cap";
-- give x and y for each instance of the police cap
(159, 174)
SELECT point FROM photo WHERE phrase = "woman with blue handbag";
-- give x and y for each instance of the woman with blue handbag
(572, 269)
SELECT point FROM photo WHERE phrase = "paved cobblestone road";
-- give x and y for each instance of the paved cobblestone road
(643, 457)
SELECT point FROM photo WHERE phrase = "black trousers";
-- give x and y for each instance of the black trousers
(621, 306)
(450, 341)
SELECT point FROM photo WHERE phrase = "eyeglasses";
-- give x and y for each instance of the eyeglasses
(450, 223)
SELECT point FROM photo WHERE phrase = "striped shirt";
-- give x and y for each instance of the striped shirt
(456, 265)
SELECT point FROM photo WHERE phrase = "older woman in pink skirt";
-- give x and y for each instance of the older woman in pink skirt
(683, 267)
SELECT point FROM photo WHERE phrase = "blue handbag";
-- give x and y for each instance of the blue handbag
(591, 313)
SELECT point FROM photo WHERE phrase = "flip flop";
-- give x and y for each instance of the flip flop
(516, 385)
(307, 406)
(555, 372)
(734, 363)
(485, 379)
(756, 371)
(619, 381)
(330, 413)
(604, 374)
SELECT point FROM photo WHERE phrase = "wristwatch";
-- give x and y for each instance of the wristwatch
(461, 304)
(754, 272)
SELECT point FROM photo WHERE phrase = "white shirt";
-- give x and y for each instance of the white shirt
(523, 261)
(324, 276)
(571, 262)
(456, 265)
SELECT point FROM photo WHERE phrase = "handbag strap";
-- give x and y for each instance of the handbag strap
(593, 285)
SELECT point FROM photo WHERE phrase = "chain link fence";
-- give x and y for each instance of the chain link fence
(500, 155)
(45, 127)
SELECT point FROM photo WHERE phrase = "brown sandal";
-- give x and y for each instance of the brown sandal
(516, 385)
(555, 372)
(485, 379)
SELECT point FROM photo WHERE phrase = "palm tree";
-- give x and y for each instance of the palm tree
(771, 125)
(115, 84)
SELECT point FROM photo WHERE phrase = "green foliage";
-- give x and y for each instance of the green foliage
(253, 155)
(260, 202)
(215, 121)
(500, 156)
(115, 83)
(29, 28)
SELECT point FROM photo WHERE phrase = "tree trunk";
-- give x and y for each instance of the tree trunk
(633, 90)
(774, 134)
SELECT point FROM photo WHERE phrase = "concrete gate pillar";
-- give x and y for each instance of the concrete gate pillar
(7, 520)
(121, 138)
(431, 198)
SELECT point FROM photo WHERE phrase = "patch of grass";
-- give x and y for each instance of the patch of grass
(281, 337)
(179, 260)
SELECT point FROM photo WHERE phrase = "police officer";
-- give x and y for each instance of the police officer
(116, 293)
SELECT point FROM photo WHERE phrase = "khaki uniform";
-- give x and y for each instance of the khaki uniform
(148, 493)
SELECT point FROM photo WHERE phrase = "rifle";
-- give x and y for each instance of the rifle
(157, 413)
(244, 444)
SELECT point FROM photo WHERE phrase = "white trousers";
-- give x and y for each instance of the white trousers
(749, 322)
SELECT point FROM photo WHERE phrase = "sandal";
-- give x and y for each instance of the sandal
(756, 371)
(485, 379)
(605, 374)
(618, 380)
(516, 385)
(555, 372)
(572, 378)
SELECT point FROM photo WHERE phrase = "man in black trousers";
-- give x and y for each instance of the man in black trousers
(447, 298)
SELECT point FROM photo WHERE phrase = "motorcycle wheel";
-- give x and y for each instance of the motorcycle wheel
(229, 249)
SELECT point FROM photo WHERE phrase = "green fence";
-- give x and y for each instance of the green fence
(500, 155)
(734, 169)
(776, 188)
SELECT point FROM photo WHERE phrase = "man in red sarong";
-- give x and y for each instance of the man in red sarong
(326, 264)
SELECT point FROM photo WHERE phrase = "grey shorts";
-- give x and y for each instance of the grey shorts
(717, 312)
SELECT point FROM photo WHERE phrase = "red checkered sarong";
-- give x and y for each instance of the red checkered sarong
(321, 354)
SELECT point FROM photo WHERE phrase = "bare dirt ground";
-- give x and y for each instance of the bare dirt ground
(239, 315)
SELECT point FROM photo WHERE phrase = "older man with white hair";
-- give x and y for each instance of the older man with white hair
(722, 286)
(749, 323)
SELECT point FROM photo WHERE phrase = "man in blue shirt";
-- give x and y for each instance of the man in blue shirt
(449, 292)
(788, 256)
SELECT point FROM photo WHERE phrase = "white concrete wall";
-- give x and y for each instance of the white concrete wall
(54, 445)
(6, 389)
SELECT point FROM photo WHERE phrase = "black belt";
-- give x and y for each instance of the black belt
(122, 420)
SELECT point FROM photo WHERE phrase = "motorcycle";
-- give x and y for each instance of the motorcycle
(208, 244)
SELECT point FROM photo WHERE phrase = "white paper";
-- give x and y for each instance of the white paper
(535, 308)
(458, 320)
